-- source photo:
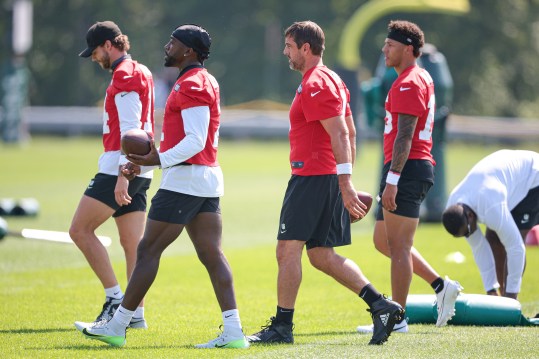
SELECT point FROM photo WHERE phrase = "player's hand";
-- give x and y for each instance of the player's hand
(149, 159)
(120, 191)
(389, 197)
(130, 170)
(355, 207)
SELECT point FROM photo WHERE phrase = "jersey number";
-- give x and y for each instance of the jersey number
(426, 133)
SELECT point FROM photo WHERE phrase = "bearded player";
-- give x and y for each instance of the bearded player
(128, 104)
(188, 197)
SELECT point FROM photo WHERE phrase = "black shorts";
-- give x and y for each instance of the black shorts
(526, 213)
(174, 207)
(416, 179)
(102, 186)
(313, 211)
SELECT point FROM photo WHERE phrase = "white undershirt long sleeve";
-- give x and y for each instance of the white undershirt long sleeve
(492, 189)
(195, 180)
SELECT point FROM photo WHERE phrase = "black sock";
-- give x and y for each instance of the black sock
(284, 315)
(438, 285)
(369, 294)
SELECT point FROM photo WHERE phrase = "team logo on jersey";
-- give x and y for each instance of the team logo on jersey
(299, 88)
(177, 87)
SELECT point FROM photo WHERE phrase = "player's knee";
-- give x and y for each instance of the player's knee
(320, 260)
(129, 244)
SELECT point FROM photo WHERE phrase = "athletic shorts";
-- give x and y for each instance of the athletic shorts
(526, 213)
(102, 187)
(416, 179)
(174, 207)
(313, 211)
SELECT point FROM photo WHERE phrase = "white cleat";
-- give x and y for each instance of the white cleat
(225, 341)
(104, 333)
(445, 301)
(136, 323)
(401, 327)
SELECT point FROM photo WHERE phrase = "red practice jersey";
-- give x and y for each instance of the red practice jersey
(128, 76)
(194, 88)
(412, 93)
(321, 95)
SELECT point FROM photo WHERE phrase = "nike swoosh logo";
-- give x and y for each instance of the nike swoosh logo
(283, 231)
(196, 88)
(405, 88)
(313, 94)
(228, 316)
(123, 94)
(127, 77)
(92, 335)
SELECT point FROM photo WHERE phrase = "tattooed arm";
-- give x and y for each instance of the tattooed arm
(401, 150)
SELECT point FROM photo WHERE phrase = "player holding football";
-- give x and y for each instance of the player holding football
(501, 191)
(188, 197)
(128, 104)
(320, 196)
(408, 171)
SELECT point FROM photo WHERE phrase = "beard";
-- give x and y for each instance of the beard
(296, 65)
(169, 61)
(105, 62)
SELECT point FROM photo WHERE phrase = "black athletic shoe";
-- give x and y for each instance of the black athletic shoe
(385, 313)
(274, 332)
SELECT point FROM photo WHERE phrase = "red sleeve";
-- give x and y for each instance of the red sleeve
(195, 92)
(408, 100)
(125, 79)
(320, 102)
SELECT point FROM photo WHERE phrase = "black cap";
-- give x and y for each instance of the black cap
(195, 37)
(98, 34)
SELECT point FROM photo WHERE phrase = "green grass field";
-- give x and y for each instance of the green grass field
(45, 287)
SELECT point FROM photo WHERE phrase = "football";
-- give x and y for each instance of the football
(366, 198)
(136, 142)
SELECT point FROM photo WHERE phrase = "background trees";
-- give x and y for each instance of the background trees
(492, 51)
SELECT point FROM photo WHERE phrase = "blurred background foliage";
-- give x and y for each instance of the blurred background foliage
(492, 51)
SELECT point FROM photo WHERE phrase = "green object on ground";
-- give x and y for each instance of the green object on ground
(470, 309)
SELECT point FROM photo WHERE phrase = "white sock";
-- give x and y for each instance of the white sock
(120, 320)
(114, 292)
(139, 312)
(232, 323)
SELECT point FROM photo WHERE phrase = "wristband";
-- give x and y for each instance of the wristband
(344, 169)
(393, 178)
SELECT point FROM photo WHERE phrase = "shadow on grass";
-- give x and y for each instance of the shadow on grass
(34, 331)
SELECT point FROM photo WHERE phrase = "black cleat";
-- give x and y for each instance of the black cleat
(385, 313)
(274, 332)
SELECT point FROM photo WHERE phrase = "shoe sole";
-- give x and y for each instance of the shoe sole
(234, 344)
(368, 329)
(256, 340)
(115, 341)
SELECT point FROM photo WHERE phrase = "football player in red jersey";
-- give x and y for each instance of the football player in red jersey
(408, 171)
(129, 104)
(320, 197)
(188, 197)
